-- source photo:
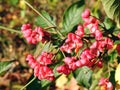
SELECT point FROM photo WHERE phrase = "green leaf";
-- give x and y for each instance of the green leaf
(117, 42)
(47, 47)
(72, 16)
(4, 66)
(109, 23)
(83, 76)
(113, 56)
(45, 83)
(41, 22)
(112, 79)
(112, 9)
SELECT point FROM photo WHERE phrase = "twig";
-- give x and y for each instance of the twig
(11, 30)
(28, 83)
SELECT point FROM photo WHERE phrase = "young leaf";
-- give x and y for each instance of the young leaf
(72, 16)
(4, 66)
(83, 76)
(42, 22)
(112, 9)
(46, 47)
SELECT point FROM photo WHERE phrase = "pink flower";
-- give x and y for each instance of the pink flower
(69, 60)
(109, 86)
(118, 35)
(31, 61)
(98, 35)
(85, 15)
(91, 22)
(27, 33)
(39, 33)
(72, 66)
(25, 26)
(86, 54)
(109, 43)
(105, 81)
(44, 72)
(63, 69)
(73, 42)
(84, 62)
(100, 64)
(94, 48)
(45, 58)
(34, 36)
(80, 31)
(41, 70)
(101, 45)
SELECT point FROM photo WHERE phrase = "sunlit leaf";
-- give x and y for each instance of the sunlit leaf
(61, 81)
(117, 74)
(72, 16)
(112, 9)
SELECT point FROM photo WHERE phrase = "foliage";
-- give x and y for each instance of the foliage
(111, 8)
(83, 76)
(81, 45)
(4, 66)
(72, 16)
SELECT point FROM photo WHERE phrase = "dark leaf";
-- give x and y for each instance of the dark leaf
(83, 76)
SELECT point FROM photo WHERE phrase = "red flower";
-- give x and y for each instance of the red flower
(118, 49)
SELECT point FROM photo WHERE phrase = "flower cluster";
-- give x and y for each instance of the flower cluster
(70, 64)
(92, 24)
(95, 45)
(90, 56)
(105, 84)
(73, 42)
(41, 70)
(34, 36)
